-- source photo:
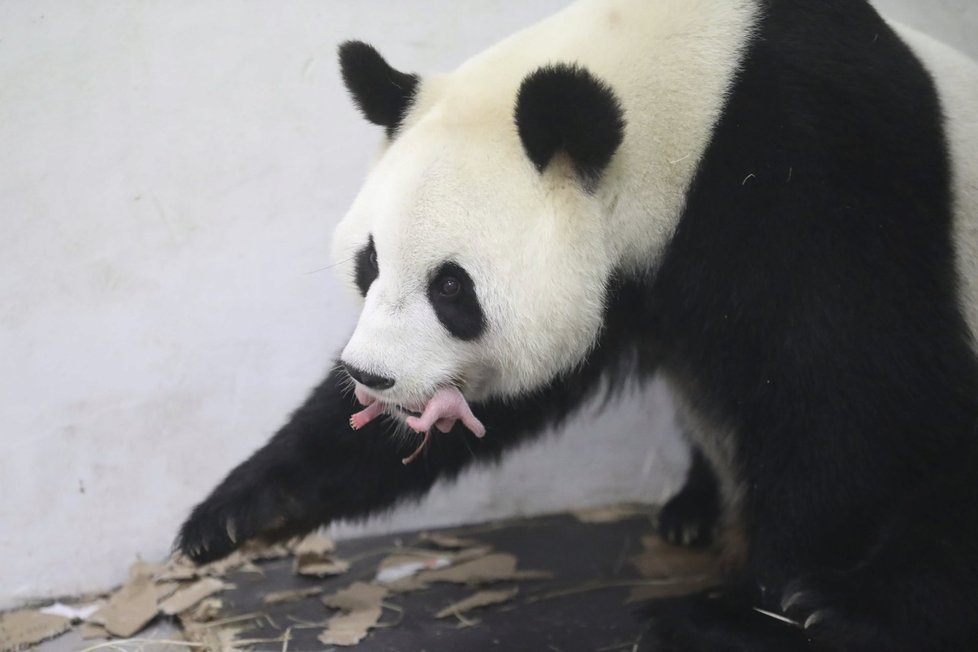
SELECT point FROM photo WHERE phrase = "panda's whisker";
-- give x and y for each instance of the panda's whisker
(331, 266)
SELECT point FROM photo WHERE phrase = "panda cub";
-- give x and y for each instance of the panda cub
(773, 204)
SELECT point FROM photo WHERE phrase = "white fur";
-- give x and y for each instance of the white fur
(456, 184)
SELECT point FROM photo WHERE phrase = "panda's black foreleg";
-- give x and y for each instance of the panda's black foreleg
(317, 469)
(690, 517)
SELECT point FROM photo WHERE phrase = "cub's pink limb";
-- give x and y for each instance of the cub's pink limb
(363, 417)
(444, 409)
(373, 409)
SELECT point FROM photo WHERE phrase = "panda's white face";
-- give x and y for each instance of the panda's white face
(476, 271)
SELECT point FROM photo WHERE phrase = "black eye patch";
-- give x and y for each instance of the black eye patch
(452, 295)
(366, 268)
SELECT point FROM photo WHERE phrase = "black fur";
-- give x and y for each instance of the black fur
(807, 304)
(382, 93)
(690, 517)
(808, 299)
(460, 314)
(367, 268)
(565, 108)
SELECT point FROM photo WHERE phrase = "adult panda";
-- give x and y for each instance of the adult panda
(774, 203)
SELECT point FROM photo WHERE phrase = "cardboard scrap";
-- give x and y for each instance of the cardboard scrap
(165, 589)
(612, 513)
(401, 566)
(181, 569)
(314, 544)
(291, 595)
(660, 559)
(313, 556)
(682, 571)
(146, 569)
(27, 627)
(495, 567)
(206, 610)
(477, 600)
(449, 541)
(216, 639)
(130, 608)
(91, 630)
(361, 608)
(321, 567)
(187, 597)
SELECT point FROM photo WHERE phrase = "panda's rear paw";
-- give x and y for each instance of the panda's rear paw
(689, 518)
(834, 614)
(227, 519)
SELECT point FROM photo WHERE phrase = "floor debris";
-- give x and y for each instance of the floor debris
(477, 600)
(130, 608)
(187, 597)
(20, 630)
(361, 606)
(564, 583)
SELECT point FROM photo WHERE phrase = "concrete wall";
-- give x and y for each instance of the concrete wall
(171, 172)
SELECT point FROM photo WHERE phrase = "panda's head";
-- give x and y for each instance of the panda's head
(477, 241)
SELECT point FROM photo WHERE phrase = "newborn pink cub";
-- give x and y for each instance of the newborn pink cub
(443, 410)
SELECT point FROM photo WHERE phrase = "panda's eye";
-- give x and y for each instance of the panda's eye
(365, 268)
(449, 287)
(454, 297)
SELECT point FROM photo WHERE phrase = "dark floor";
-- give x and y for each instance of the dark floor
(579, 555)
(595, 563)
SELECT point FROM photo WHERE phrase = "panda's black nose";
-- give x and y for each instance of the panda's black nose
(373, 381)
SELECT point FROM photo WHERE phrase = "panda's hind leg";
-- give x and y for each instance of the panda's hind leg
(914, 592)
(690, 517)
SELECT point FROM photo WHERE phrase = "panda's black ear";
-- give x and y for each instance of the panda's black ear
(565, 108)
(382, 93)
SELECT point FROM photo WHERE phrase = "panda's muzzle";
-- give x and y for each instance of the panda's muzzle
(367, 379)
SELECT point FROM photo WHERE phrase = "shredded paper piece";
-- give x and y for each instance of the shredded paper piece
(691, 571)
(399, 567)
(361, 604)
(313, 556)
(449, 541)
(495, 567)
(22, 629)
(189, 596)
(130, 608)
(292, 595)
(477, 600)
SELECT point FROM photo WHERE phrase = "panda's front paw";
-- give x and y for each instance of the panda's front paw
(230, 517)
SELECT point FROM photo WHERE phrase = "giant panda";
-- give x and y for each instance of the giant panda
(771, 203)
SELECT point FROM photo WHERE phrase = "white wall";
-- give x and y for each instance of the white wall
(169, 176)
